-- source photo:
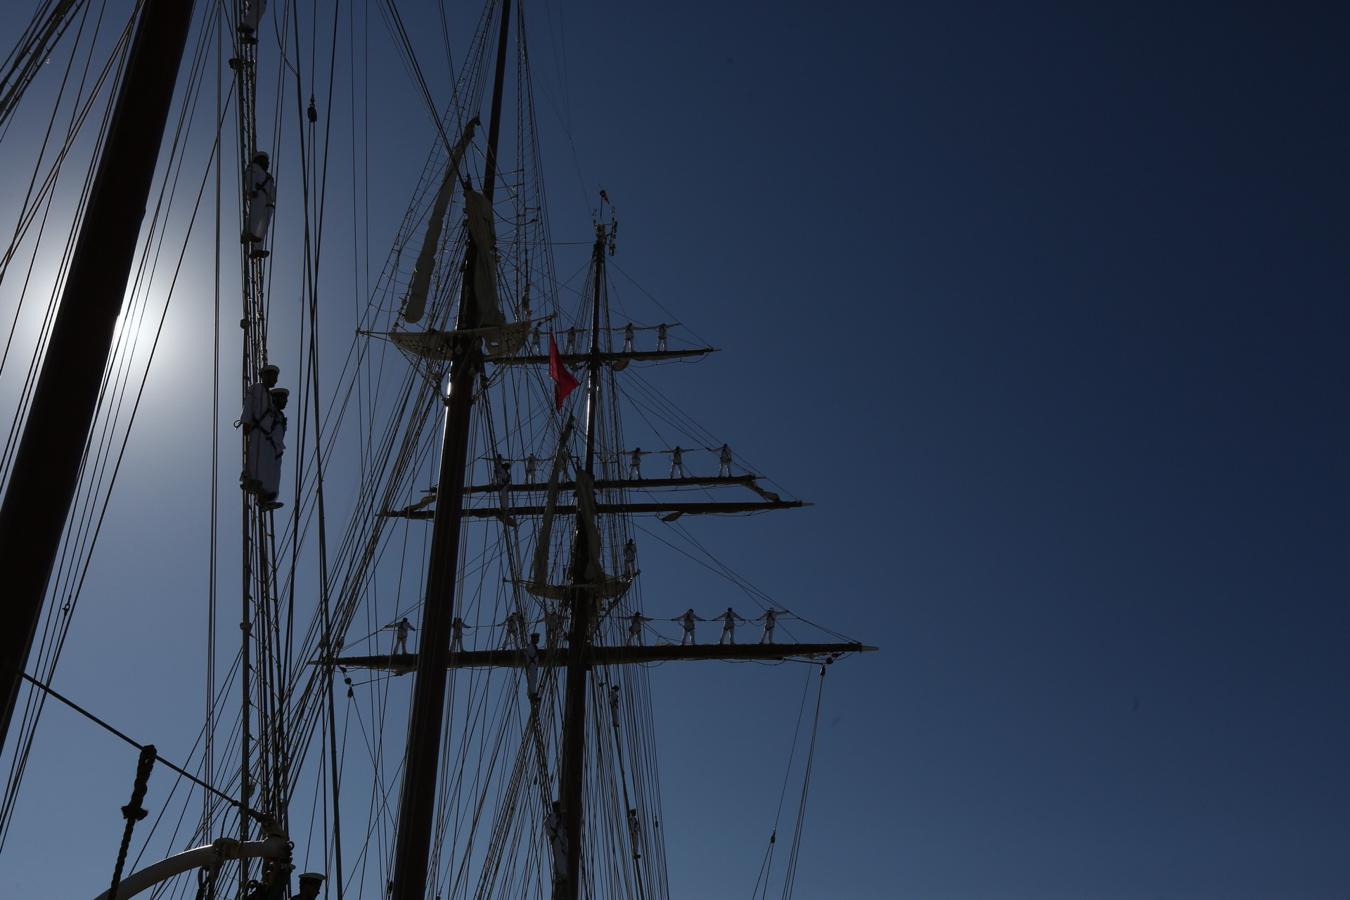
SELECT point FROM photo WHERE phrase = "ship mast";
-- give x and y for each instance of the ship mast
(46, 467)
(582, 601)
(418, 800)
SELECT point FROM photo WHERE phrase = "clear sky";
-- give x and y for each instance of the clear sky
(1044, 307)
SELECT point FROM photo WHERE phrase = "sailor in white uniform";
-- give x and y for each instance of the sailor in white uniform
(687, 620)
(630, 558)
(635, 833)
(728, 620)
(260, 192)
(310, 885)
(401, 629)
(628, 338)
(677, 463)
(770, 619)
(273, 446)
(531, 467)
(501, 471)
(635, 464)
(661, 337)
(553, 626)
(515, 628)
(556, 832)
(724, 461)
(532, 667)
(257, 406)
(251, 19)
(635, 622)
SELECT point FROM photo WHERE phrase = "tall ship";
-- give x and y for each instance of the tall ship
(441, 515)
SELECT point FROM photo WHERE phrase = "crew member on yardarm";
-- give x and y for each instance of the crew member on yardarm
(401, 629)
(635, 623)
(724, 461)
(687, 620)
(728, 620)
(770, 619)
(677, 463)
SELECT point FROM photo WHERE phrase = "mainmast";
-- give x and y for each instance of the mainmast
(46, 467)
(582, 602)
(418, 802)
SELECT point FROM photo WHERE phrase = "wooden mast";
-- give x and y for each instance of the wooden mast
(418, 801)
(578, 655)
(46, 468)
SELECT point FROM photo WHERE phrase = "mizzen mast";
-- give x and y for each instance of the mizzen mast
(582, 602)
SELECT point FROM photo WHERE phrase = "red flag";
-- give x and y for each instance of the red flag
(563, 381)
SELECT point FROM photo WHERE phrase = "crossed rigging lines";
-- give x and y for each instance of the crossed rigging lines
(621, 777)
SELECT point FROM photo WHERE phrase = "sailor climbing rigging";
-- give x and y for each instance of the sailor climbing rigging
(260, 194)
(532, 667)
(251, 19)
(264, 427)
(556, 833)
(515, 629)
(553, 627)
(635, 833)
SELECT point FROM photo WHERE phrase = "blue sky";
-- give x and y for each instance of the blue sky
(1043, 307)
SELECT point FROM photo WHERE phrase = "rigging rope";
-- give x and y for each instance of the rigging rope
(133, 812)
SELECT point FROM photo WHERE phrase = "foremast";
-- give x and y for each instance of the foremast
(418, 800)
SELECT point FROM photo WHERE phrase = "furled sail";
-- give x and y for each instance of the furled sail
(426, 260)
(598, 584)
(501, 338)
(538, 584)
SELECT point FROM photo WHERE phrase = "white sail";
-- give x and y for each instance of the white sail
(426, 260)
(538, 584)
(483, 233)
